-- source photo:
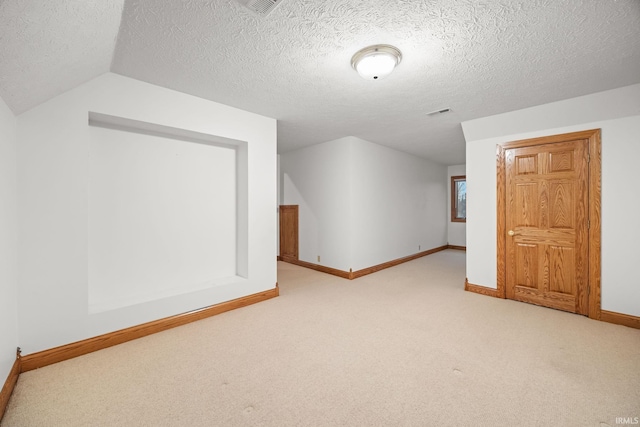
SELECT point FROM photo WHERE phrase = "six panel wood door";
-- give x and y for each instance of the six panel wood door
(547, 223)
(289, 232)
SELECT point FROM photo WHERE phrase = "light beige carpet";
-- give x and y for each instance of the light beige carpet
(402, 347)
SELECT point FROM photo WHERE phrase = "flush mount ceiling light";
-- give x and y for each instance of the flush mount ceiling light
(375, 62)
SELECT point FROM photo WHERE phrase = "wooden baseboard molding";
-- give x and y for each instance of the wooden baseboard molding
(395, 262)
(482, 290)
(458, 248)
(10, 384)
(79, 348)
(620, 319)
(355, 274)
(317, 267)
(278, 258)
(605, 316)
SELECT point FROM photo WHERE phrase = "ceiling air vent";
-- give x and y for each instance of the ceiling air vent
(436, 112)
(260, 7)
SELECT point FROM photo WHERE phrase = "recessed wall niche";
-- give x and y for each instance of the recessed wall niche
(167, 212)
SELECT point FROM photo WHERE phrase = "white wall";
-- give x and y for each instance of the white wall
(162, 217)
(456, 231)
(399, 204)
(53, 202)
(8, 242)
(362, 204)
(617, 113)
(318, 179)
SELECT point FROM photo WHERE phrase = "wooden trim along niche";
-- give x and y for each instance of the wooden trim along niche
(594, 186)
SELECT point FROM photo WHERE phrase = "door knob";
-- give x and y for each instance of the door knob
(511, 232)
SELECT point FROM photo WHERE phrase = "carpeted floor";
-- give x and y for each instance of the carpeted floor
(402, 347)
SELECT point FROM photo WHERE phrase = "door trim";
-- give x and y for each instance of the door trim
(594, 188)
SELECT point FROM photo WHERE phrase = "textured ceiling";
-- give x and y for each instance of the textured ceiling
(476, 57)
(49, 47)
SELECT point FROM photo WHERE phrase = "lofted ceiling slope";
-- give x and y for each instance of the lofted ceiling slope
(477, 58)
(49, 47)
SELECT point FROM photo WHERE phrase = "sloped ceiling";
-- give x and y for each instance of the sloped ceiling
(477, 58)
(49, 47)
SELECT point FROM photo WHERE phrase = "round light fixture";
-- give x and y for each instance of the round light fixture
(377, 61)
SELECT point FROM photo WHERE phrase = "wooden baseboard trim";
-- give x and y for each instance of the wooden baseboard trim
(458, 248)
(79, 348)
(10, 384)
(605, 316)
(482, 290)
(620, 319)
(278, 258)
(321, 268)
(355, 274)
(395, 262)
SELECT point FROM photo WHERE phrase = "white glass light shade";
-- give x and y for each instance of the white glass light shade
(376, 66)
(375, 62)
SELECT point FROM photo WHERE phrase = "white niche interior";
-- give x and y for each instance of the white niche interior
(167, 212)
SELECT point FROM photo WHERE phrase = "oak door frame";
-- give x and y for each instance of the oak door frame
(594, 232)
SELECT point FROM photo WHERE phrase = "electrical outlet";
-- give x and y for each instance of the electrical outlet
(318, 258)
(418, 247)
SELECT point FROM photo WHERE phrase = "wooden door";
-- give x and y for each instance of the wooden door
(289, 232)
(547, 220)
